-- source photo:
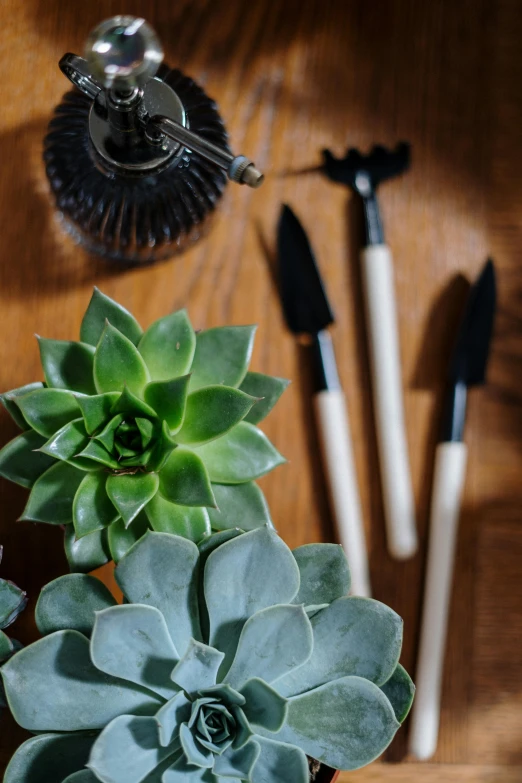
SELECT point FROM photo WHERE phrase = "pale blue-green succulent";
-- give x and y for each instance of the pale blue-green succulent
(134, 430)
(12, 602)
(234, 660)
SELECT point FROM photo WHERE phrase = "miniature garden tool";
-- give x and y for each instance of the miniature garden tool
(467, 368)
(363, 173)
(307, 311)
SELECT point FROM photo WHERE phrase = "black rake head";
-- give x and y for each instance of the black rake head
(364, 172)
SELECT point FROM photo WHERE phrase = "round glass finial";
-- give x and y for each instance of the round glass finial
(123, 53)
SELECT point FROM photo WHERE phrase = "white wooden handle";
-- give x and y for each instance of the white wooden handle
(340, 469)
(399, 510)
(448, 483)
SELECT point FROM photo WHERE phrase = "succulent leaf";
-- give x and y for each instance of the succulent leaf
(222, 356)
(83, 776)
(352, 637)
(264, 707)
(283, 628)
(141, 577)
(324, 571)
(60, 664)
(47, 410)
(117, 363)
(190, 522)
(12, 601)
(130, 494)
(67, 365)
(198, 668)
(67, 442)
(399, 690)
(20, 460)
(169, 718)
(212, 411)
(237, 763)
(71, 602)
(259, 560)
(131, 405)
(51, 498)
(98, 453)
(168, 399)
(184, 480)
(243, 454)
(123, 640)
(92, 508)
(101, 309)
(168, 346)
(267, 389)
(49, 757)
(122, 538)
(346, 723)
(279, 763)
(87, 553)
(97, 409)
(8, 400)
(242, 504)
(6, 650)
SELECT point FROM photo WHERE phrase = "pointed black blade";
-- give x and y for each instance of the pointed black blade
(304, 299)
(470, 355)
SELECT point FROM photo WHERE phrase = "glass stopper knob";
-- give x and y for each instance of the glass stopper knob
(123, 53)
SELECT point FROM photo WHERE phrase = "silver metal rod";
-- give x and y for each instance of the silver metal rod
(239, 168)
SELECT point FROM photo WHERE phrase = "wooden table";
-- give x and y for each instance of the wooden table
(292, 77)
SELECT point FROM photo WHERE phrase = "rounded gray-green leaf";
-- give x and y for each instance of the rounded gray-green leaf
(222, 356)
(242, 454)
(239, 504)
(267, 389)
(345, 724)
(212, 411)
(50, 757)
(101, 309)
(70, 602)
(400, 691)
(279, 763)
(325, 574)
(168, 346)
(52, 685)
(12, 602)
(352, 636)
(67, 365)
(21, 462)
(117, 364)
(51, 498)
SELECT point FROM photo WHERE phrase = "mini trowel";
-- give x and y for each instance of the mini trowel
(363, 174)
(307, 312)
(467, 368)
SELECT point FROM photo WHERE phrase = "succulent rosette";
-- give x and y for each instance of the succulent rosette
(135, 429)
(234, 660)
(13, 600)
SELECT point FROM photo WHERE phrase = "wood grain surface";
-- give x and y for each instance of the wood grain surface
(291, 77)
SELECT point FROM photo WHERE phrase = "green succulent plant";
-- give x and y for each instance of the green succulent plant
(135, 429)
(12, 602)
(234, 660)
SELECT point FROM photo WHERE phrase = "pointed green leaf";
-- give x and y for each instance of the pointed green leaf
(67, 442)
(267, 389)
(168, 400)
(87, 553)
(324, 571)
(52, 495)
(117, 363)
(399, 690)
(168, 346)
(47, 410)
(146, 429)
(49, 757)
(131, 493)
(67, 365)
(8, 400)
(184, 480)
(166, 517)
(243, 454)
(53, 685)
(92, 508)
(96, 410)
(106, 436)
(71, 602)
(222, 356)
(131, 405)
(212, 411)
(99, 454)
(122, 538)
(346, 724)
(20, 462)
(162, 449)
(101, 308)
(239, 505)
